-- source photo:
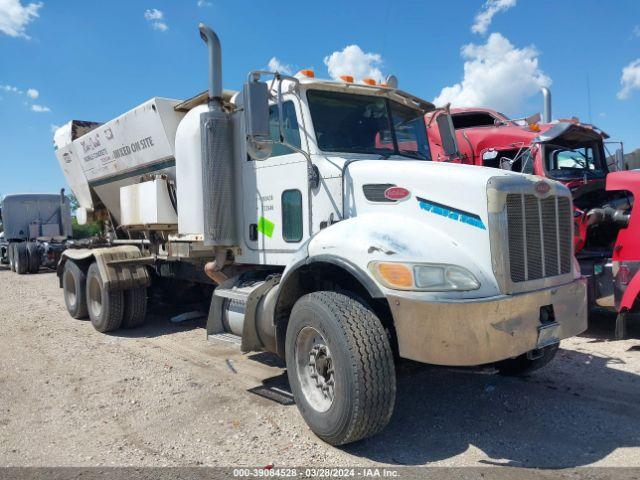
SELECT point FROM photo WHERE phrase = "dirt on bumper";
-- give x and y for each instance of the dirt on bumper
(476, 332)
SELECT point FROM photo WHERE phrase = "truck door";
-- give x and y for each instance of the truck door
(277, 218)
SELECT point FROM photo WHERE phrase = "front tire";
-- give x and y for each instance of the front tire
(74, 286)
(105, 305)
(523, 364)
(340, 367)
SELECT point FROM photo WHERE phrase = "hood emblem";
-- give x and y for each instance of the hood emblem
(542, 188)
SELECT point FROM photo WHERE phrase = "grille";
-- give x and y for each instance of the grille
(540, 236)
(374, 192)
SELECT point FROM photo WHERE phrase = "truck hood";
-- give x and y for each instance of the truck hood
(445, 219)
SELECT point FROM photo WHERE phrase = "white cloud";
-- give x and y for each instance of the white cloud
(636, 31)
(276, 65)
(14, 17)
(33, 93)
(489, 9)
(630, 79)
(496, 75)
(153, 14)
(156, 19)
(54, 127)
(204, 3)
(40, 108)
(352, 60)
(10, 88)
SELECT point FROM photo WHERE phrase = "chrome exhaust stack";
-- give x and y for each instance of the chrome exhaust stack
(218, 180)
(215, 64)
(546, 113)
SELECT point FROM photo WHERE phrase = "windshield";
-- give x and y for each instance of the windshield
(349, 123)
(564, 162)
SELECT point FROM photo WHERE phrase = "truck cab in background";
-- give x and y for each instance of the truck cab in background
(572, 153)
(36, 228)
(310, 211)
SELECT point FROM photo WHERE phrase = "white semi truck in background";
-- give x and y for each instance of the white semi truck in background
(310, 212)
(36, 228)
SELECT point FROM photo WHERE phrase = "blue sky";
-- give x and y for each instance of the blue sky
(93, 60)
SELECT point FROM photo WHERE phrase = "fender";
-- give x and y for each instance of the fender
(121, 268)
(362, 276)
(631, 293)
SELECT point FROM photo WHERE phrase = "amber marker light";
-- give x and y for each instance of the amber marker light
(346, 78)
(393, 275)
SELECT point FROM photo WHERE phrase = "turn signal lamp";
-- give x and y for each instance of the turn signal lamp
(346, 78)
(395, 275)
(424, 277)
(534, 127)
(368, 81)
(307, 73)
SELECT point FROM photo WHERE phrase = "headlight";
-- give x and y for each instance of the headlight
(428, 277)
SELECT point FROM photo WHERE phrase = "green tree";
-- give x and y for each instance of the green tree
(90, 229)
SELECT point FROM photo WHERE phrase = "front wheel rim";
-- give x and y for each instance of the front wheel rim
(315, 369)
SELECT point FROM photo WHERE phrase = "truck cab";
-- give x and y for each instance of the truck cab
(327, 235)
(36, 228)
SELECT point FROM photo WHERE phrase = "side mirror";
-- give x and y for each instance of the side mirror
(448, 135)
(506, 164)
(620, 159)
(256, 119)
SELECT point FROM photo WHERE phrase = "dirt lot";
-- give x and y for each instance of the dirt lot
(164, 395)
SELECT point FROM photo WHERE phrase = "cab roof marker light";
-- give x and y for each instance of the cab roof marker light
(307, 73)
(369, 81)
(346, 78)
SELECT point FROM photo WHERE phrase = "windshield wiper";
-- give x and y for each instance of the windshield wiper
(415, 156)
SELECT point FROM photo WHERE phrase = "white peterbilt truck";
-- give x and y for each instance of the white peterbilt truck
(311, 211)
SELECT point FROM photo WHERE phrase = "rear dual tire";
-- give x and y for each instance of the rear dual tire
(104, 304)
(74, 286)
(11, 254)
(21, 258)
(33, 255)
(86, 294)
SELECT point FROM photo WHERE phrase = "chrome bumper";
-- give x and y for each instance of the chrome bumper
(476, 332)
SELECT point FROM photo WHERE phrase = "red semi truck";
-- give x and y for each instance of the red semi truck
(606, 234)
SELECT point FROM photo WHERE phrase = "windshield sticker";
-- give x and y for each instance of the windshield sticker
(265, 227)
(452, 213)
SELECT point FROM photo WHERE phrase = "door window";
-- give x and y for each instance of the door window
(289, 126)
(292, 215)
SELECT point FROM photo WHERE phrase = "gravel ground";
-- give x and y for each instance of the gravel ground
(162, 395)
